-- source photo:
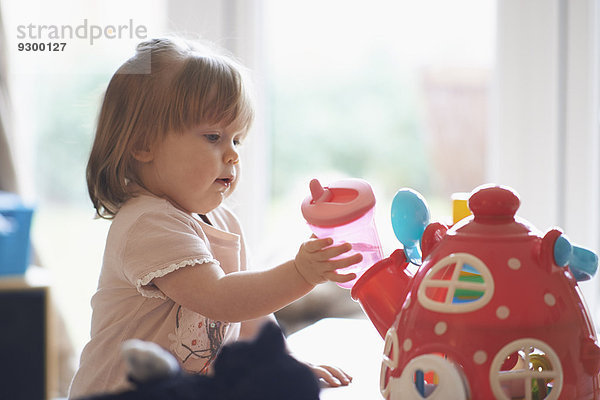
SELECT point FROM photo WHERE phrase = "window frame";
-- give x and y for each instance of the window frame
(545, 130)
(448, 307)
(528, 374)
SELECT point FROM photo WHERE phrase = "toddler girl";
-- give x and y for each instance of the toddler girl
(164, 158)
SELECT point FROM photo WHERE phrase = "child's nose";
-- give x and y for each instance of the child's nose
(232, 156)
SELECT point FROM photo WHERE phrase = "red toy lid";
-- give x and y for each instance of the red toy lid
(339, 203)
(494, 202)
(494, 208)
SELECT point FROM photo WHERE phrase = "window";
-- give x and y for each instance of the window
(426, 375)
(391, 353)
(395, 93)
(457, 283)
(526, 369)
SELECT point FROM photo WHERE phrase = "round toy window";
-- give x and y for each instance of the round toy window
(429, 376)
(457, 283)
(526, 369)
(391, 354)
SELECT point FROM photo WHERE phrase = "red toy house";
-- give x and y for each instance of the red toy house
(493, 312)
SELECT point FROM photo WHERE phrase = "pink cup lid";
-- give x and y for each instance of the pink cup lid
(339, 203)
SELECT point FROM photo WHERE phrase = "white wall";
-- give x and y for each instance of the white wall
(545, 113)
(524, 127)
(582, 152)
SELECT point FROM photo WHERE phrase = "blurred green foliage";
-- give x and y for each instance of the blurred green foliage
(64, 133)
(361, 120)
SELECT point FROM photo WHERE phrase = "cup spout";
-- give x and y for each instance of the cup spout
(381, 290)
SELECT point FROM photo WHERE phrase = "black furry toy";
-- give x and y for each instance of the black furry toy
(261, 369)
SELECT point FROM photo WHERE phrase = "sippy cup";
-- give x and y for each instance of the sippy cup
(343, 211)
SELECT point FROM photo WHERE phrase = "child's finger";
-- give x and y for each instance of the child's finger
(326, 376)
(334, 251)
(337, 277)
(314, 245)
(338, 373)
(346, 262)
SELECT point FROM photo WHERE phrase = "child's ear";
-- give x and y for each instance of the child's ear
(143, 154)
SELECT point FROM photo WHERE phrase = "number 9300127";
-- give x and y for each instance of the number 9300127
(41, 46)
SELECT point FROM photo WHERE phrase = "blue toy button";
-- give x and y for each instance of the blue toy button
(583, 263)
(562, 251)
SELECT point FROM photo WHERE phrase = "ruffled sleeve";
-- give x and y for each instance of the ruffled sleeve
(160, 243)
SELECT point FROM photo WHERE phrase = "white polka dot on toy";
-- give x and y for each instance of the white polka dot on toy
(514, 263)
(480, 357)
(502, 312)
(549, 299)
(440, 328)
(407, 345)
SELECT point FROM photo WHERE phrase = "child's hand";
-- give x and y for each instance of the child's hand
(332, 376)
(314, 261)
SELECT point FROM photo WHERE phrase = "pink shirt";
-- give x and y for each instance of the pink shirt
(150, 238)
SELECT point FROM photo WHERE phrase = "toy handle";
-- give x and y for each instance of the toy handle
(410, 216)
(583, 263)
(413, 254)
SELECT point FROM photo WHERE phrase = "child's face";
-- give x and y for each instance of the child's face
(196, 169)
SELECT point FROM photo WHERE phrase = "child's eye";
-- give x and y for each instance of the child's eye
(238, 139)
(212, 137)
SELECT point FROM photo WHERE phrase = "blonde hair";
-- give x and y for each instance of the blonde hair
(169, 85)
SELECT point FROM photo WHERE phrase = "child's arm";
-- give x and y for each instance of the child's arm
(245, 295)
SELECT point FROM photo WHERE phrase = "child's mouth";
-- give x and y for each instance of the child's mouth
(225, 181)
